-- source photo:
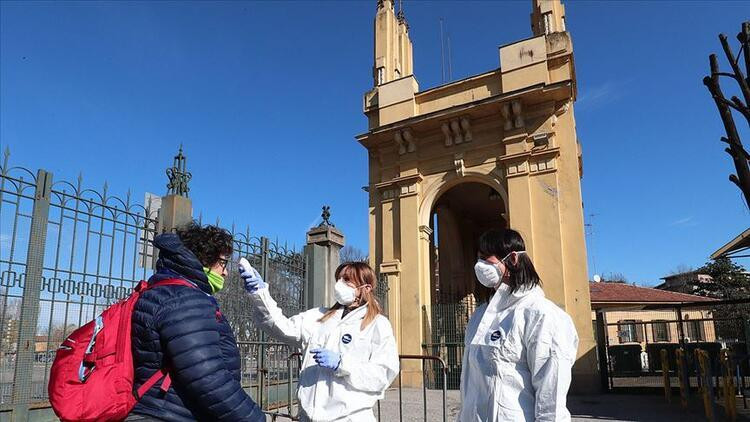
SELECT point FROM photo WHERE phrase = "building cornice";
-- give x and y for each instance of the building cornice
(439, 114)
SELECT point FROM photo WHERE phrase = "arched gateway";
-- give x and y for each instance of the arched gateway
(494, 150)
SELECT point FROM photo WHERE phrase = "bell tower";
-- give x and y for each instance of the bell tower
(493, 150)
(547, 17)
(393, 58)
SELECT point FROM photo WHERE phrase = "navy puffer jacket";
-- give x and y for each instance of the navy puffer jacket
(182, 329)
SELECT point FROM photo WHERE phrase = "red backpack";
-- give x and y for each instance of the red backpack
(91, 379)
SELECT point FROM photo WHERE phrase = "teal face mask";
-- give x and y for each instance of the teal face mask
(214, 280)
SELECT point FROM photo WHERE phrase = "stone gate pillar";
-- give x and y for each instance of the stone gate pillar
(322, 254)
(175, 211)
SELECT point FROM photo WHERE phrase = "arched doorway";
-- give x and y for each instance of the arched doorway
(458, 217)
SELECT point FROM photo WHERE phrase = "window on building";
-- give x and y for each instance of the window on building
(381, 75)
(629, 331)
(660, 330)
(694, 330)
(547, 19)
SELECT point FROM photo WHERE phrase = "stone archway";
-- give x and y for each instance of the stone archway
(460, 213)
(459, 216)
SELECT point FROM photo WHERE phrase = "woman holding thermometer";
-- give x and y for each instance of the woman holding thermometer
(350, 354)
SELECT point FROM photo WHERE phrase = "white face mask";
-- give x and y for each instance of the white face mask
(489, 274)
(343, 293)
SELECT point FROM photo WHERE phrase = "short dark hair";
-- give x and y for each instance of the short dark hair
(500, 243)
(208, 243)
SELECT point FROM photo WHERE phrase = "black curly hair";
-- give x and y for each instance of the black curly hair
(208, 243)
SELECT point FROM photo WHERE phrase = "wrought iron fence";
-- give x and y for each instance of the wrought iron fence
(381, 293)
(264, 362)
(68, 252)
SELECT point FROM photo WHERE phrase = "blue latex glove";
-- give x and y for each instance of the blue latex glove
(253, 280)
(326, 358)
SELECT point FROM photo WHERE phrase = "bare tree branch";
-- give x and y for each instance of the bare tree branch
(735, 180)
(742, 108)
(744, 38)
(736, 104)
(740, 77)
(736, 150)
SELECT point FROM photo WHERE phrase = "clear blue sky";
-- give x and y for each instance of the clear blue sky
(267, 99)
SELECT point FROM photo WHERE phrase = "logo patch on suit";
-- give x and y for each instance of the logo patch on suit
(496, 335)
(347, 338)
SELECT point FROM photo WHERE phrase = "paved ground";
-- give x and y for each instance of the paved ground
(641, 408)
(600, 408)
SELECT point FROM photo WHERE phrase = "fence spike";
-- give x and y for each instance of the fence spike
(80, 182)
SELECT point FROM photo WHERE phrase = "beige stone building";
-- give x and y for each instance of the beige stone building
(646, 316)
(498, 149)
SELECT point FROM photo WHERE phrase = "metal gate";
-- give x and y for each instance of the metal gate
(445, 328)
(67, 252)
(630, 342)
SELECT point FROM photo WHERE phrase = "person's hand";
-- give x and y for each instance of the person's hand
(251, 277)
(326, 358)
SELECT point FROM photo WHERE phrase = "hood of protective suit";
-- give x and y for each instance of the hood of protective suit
(504, 298)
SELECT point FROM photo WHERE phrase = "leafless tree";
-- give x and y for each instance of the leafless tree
(614, 278)
(735, 149)
(352, 254)
(682, 269)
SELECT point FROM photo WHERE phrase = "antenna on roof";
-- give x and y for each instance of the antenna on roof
(442, 53)
(450, 59)
(589, 231)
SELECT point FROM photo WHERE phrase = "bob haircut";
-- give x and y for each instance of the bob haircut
(499, 243)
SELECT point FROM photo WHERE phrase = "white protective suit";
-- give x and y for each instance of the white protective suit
(369, 358)
(519, 350)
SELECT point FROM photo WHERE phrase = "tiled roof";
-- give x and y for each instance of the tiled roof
(621, 292)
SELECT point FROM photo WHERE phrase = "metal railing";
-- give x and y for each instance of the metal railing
(294, 416)
(422, 358)
(722, 385)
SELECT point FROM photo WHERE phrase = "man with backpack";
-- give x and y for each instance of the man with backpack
(179, 329)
